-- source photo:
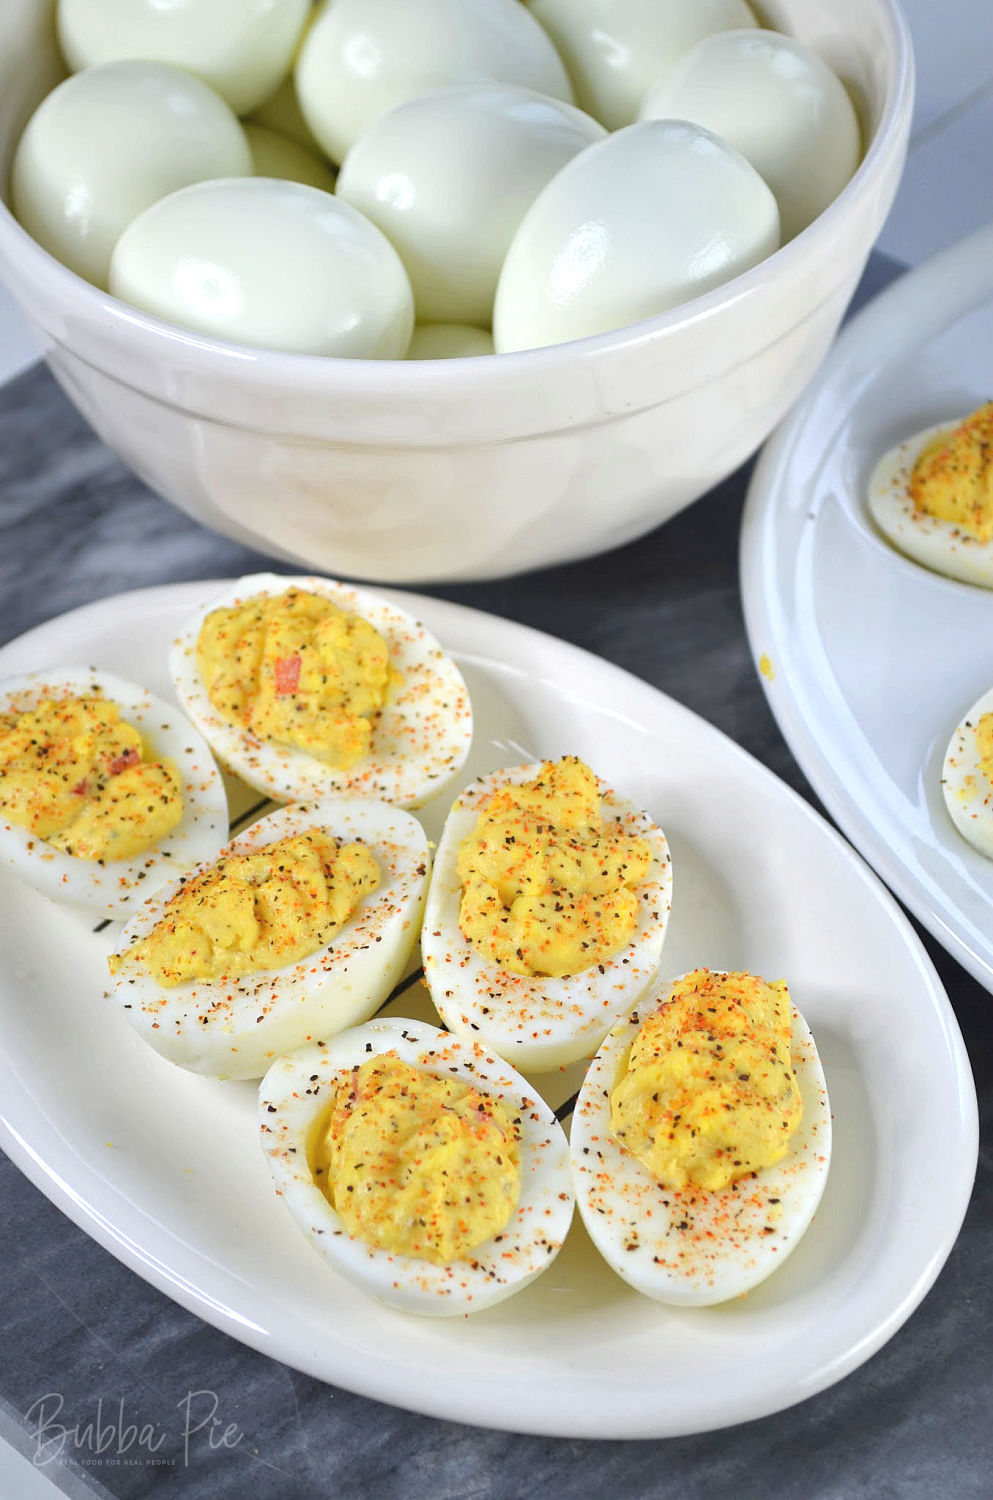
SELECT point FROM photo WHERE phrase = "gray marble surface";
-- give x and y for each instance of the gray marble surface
(915, 1421)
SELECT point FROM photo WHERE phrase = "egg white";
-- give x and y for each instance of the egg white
(966, 787)
(538, 1022)
(935, 544)
(420, 740)
(234, 1027)
(695, 1248)
(297, 1089)
(116, 888)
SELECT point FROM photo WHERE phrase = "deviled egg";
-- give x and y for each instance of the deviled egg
(967, 775)
(106, 792)
(300, 929)
(307, 687)
(546, 914)
(418, 1164)
(701, 1139)
(932, 497)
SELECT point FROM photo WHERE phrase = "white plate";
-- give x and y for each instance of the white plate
(163, 1168)
(873, 660)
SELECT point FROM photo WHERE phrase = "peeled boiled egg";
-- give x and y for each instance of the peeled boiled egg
(640, 222)
(420, 738)
(362, 57)
(295, 1094)
(448, 177)
(778, 104)
(692, 1247)
(215, 257)
(275, 155)
(967, 775)
(114, 888)
(448, 341)
(242, 48)
(537, 1021)
(233, 1027)
(942, 545)
(615, 49)
(281, 113)
(109, 142)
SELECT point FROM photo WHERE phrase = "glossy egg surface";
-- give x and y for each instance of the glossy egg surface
(645, 220)
(778, 104)
(216, 258)
(616, 49)
(242, 48)
(108, 143)
(361, 57)
(448, 177)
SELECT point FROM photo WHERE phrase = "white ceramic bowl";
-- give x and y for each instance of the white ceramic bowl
(461, 469)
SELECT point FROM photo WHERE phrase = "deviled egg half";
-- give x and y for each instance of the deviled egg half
(686, 1099)
(932, 497)
(546, 914)
(106, 792)
(306, 688)
(299, 930)
(967, 775)
(419, 1165)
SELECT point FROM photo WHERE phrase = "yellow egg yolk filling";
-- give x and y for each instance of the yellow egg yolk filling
(296, 670)
(417, 1165)
(707, 1093)
(549, 887)
(251, 912)
(73, 772)
(952, 479)
(984, 744)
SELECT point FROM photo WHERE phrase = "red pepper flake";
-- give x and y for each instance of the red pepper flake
(129, 757)
(287, 670)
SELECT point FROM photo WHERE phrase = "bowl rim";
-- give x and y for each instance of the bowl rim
(400, 378)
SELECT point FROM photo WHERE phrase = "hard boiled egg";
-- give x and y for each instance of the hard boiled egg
(109, 142)
(967, 776)
(420, 739)
(295, 1094)
(117, 887)
(640, 222)
(242, 48)
(615, 49)
(448, 341)
(215, 258)
(275, 155)
(778, 104)
(448, 178)
(941, 545)
(233, 1027)
(538, 1022)
(692, 1247)
(361, 57)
